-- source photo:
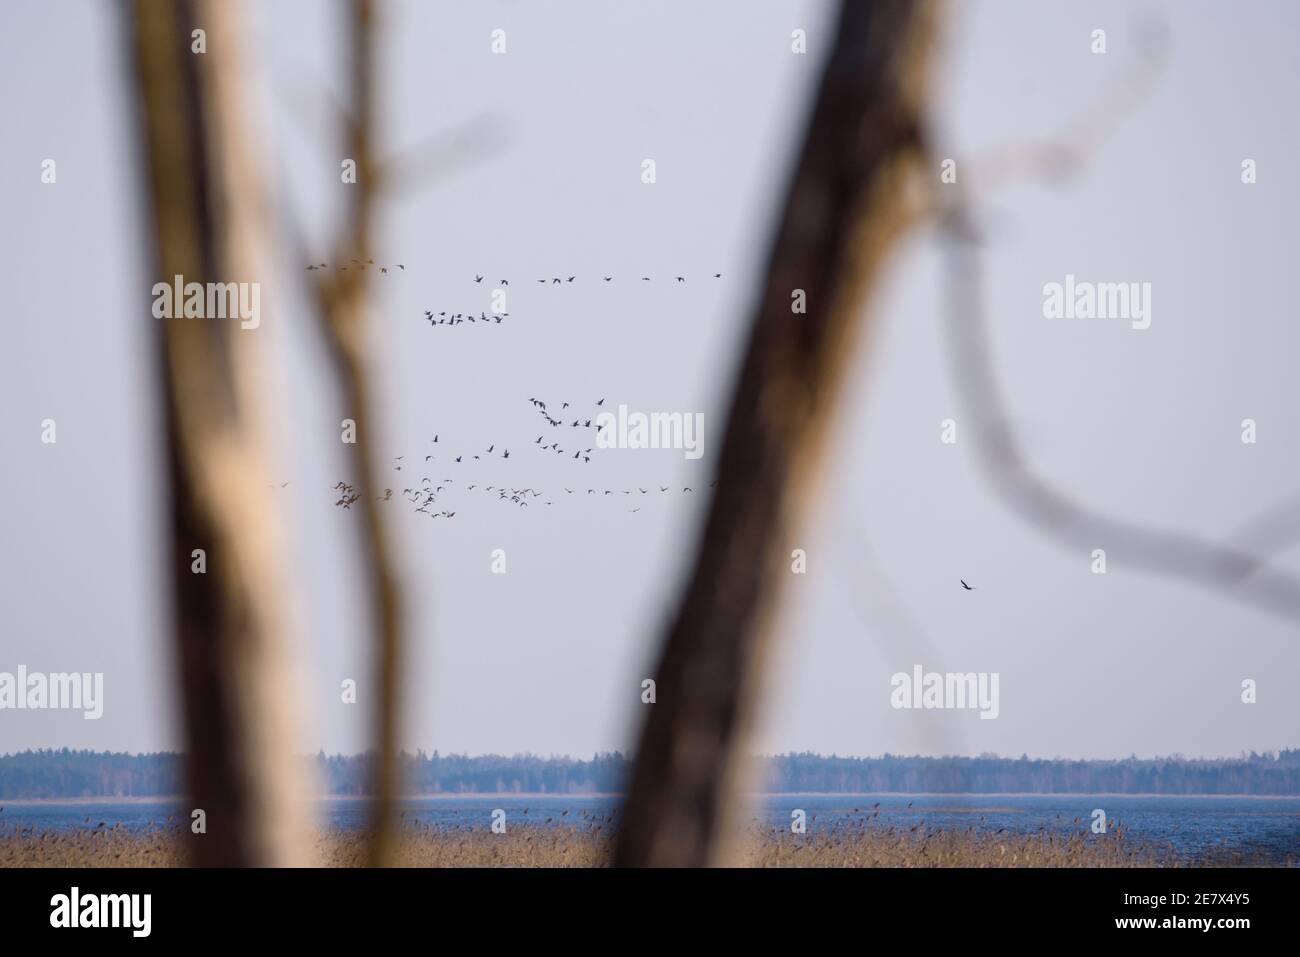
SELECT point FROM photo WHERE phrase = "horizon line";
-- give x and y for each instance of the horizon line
(988, 756)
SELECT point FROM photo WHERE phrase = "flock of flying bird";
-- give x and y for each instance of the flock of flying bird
(448, 318)
(358, 264)
(424, 496)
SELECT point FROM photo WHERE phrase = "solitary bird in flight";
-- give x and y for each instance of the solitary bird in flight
(478, 278)
(964, 585)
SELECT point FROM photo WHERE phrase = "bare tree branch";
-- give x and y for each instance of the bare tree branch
(844, 207)
(1055, 512)
(1068, 150)
(1229, 568)
(441, 156)
(231, 622)
(341, 297)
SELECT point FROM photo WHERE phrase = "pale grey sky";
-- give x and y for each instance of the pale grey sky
(548, 658)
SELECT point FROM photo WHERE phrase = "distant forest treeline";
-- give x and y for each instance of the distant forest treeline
(78, 774)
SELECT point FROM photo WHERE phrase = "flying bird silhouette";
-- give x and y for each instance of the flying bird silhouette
(964, 585)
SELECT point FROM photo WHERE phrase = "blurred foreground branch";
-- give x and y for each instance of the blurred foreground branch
(1238, 568)
(231, 620)
(341, 299)
(844, 208)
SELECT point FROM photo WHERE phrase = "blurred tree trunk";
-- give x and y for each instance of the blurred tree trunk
(341, 299)
(232, 622)
(845, 206)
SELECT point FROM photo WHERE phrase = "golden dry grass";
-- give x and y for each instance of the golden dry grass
(589, 846)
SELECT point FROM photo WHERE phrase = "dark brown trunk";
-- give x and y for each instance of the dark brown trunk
(844, 207)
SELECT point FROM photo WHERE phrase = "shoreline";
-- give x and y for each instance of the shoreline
(552, 795)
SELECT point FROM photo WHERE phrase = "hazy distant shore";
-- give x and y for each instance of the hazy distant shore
(50, 773)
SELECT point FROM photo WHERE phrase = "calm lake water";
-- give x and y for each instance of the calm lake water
(1266, 830)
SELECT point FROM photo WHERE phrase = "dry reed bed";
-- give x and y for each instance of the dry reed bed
(589, 846)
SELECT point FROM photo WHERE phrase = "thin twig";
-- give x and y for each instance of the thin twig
(342, 306)
(1231, 569)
